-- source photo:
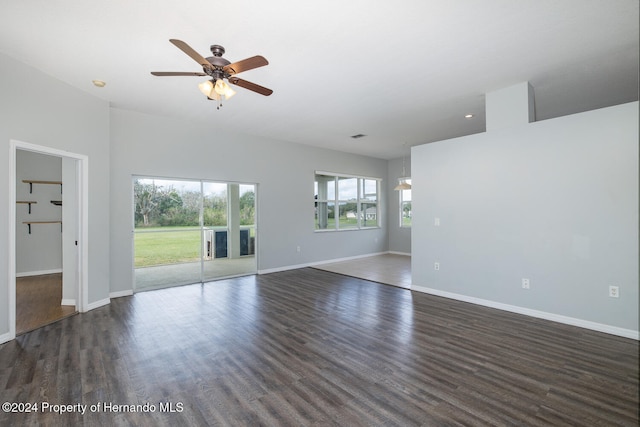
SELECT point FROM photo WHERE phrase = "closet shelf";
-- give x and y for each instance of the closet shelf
(28, 223)
(35, 181)
(27, 202)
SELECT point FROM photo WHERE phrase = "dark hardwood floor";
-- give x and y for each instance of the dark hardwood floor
(310, 347)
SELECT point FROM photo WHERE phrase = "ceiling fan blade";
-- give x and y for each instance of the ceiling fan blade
(251, 86)
(246, 64)
(176, 73)
(192, 53)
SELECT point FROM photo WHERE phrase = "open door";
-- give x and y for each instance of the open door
(61, 224)
(70, 256)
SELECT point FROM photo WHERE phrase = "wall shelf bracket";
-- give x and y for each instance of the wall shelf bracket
(27, 202)
(29, 223)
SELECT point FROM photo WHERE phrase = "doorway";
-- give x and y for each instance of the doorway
(192, 231)
(47, 234)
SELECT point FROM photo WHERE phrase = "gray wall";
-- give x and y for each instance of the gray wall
(554, 201)
(55, 115)
(156, 146)
(399, 238)
(41, 251)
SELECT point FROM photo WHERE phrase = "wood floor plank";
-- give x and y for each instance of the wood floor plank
(311, 347)
(38, 301)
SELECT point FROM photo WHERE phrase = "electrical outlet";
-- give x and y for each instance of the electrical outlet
(436, 222)
(525, 283)
(297, 248)
(436, 266)
(614, 292)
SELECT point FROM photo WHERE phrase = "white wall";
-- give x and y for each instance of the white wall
(41, 251)
(554, 201)
(157, 146)
(55, 115)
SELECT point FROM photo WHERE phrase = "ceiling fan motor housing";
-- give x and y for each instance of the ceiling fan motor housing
(218, 62)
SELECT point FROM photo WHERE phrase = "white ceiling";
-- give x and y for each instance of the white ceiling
(401, 72)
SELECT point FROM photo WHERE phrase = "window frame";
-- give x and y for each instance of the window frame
(362, 201)
(402, 202)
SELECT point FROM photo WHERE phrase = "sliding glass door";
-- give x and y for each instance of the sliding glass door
(192, 231)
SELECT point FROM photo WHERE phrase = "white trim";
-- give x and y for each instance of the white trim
(283, 268)
(83, 219)
(120, 294)
(39, 273)
(6, 337)
(68, 302)
(83, 238)
(98, 304)
(311, 264)
(11, 243)
(399, 253)
(346, 175)
(350, 258)
(613, 330)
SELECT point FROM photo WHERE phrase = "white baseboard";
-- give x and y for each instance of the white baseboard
(97, 304)
(613, 330)
(399, 253)
(283, 268)
(350, 258)
(121, 294)
(311, 264)
(68, 302)
(39, 273)
(5, 338)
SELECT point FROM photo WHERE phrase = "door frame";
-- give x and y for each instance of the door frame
(82, 191)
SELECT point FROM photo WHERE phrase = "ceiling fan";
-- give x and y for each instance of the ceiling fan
(219, 69)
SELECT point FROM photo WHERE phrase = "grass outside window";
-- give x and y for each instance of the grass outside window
(166, 245)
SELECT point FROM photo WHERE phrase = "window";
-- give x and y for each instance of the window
(199, 230)
(405, 204)
(345, 202)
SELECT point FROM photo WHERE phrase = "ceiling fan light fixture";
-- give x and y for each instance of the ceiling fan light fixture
(216, 89)
(228, 92)
(206, 88)
(220, 87)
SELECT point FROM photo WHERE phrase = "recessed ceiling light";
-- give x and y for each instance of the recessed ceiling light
(468, 116)
(99, 83)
